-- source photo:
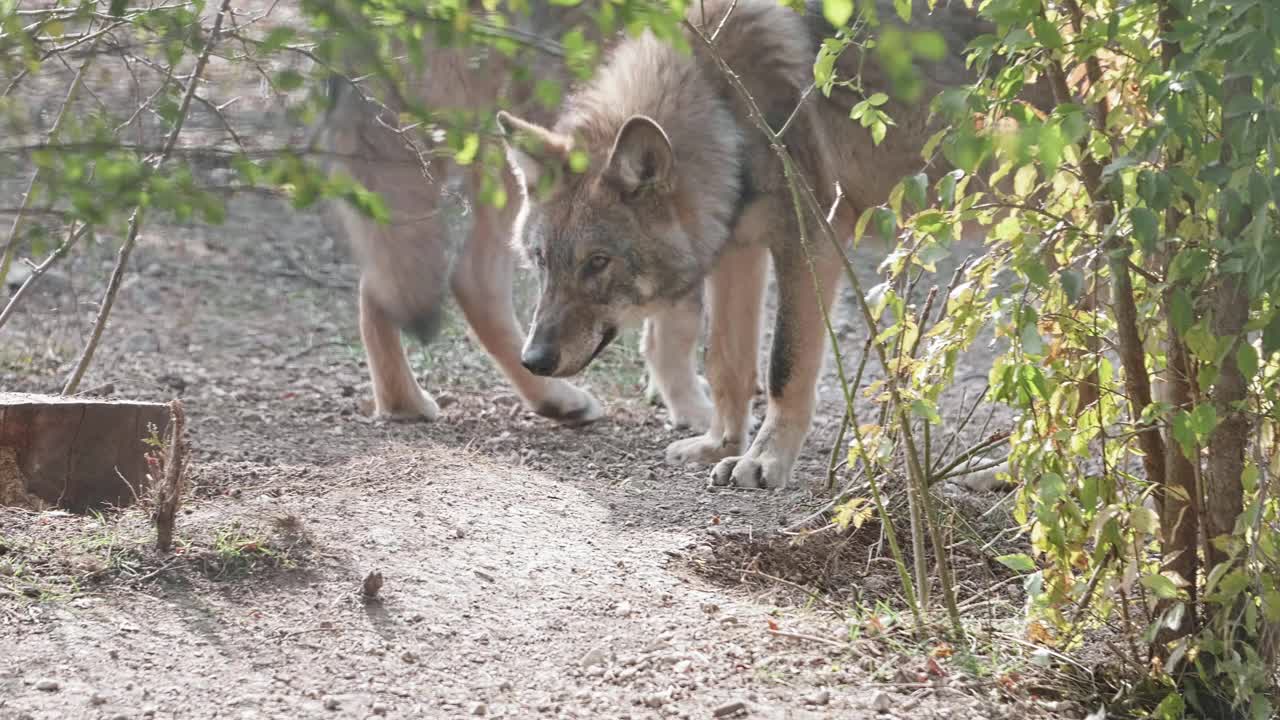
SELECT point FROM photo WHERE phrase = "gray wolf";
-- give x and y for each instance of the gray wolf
(440, 239)
(682, 188)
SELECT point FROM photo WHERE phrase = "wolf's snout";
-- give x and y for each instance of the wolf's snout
(540, 359)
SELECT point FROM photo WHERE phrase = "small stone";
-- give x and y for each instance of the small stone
(459, 533)
(379, 709)
(48, 685)
(372, 584)
(729, 709)
(682, 666)
(97, 699)
(623, 609)
(331, 703)
(595, 656)
(504, 686)
(479, 708)
(822, 697)
(882, 703)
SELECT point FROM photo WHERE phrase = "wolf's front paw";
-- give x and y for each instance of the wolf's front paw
(416, 406)
(747, 471)
(701, 449)
(569, 405)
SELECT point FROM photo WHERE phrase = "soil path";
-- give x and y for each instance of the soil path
(528, 570)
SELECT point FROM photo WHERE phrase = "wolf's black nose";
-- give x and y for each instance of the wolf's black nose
(540, 359)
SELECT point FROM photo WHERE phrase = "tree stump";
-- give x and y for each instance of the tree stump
(75, 453)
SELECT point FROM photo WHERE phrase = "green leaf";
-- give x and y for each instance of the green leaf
(904, 9)
(1231, 585)
(578, 161)
(1261, 707)
(947, 188)
(1144, 228)
(118, 7)
(1162, 586)
(1182, 312)
(1204, 418)
(837, 12)
(1243, 105)
(916, 189)
(1047, 33)
(1018, 562)
(929, 45)
(1025, 180)
(467, 153)
(926, 410)
(1271, 606)
(1172, 707)
(1247, 360)
(878, 99)
(824, 66)
(886, 223)
(878, 131)
(287, 80)
(1188, 264)
(1271, 336)
(1072, 284)
(276, 39)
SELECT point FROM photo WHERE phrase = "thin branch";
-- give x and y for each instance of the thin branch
(63, 248)
(135, 220)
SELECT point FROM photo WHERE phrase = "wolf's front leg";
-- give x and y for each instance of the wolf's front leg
(799, 344)
(736, 296)
(482, 283)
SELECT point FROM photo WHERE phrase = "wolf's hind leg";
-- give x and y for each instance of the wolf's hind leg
(396, 395)
(670, 345)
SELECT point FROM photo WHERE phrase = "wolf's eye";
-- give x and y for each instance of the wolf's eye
(597, 264)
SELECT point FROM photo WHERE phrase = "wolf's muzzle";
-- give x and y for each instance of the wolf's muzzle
(540, 359)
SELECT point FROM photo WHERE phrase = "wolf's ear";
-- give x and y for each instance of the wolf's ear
(642, 158)
(533, 151)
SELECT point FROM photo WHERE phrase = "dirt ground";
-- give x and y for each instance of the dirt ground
(528, 570)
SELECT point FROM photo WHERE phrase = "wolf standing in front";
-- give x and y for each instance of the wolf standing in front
(681, 187)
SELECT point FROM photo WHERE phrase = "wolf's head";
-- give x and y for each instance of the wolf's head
(610, 230)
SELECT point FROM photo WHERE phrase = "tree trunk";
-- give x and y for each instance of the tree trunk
(1137, 381)
(1224, 493)
(1180, 506)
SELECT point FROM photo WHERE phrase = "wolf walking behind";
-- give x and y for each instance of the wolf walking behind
(409, 265)
(682, 188)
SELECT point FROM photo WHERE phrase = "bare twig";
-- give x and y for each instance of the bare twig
(6, 257)
(168, 494)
